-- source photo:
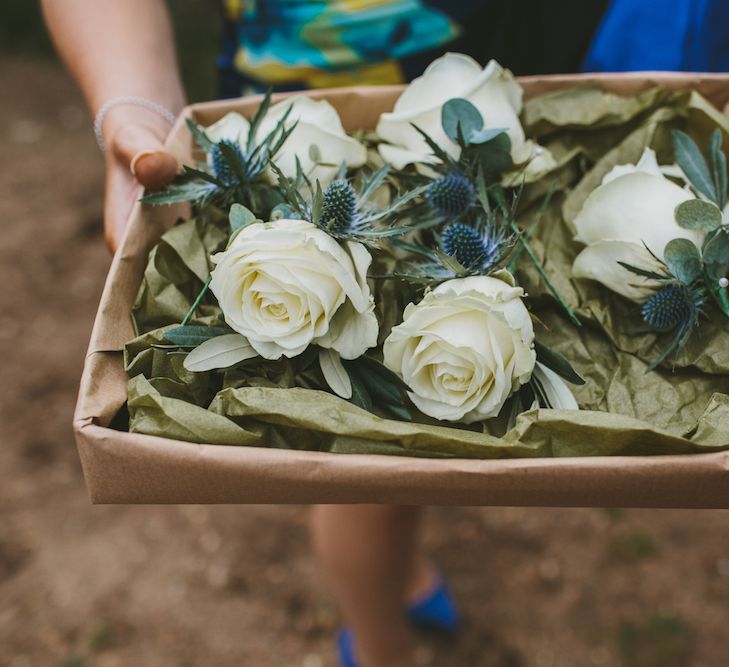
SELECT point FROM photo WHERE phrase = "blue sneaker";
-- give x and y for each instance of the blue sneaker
(436, 611)
(345, 648)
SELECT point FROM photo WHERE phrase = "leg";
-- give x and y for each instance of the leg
(369, 557)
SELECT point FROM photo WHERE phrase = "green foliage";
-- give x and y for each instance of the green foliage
(660, 641)
(193, 335)
(698, 214)
(708, 177)
(683, 260)
(632, 546)
(557, 362)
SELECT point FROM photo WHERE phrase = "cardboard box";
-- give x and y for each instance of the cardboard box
(121, 467)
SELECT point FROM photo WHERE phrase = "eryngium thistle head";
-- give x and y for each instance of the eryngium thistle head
(451, 195)
(340, 205)
(220, 168)
(669, 307)
(465, 244)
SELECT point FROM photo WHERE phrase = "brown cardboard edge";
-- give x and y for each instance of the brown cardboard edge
(129, 468)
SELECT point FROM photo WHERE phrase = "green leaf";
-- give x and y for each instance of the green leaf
(360, 396)
(485, 135)
(718, 167)
(694, 165)
(642, 272)
(698, 214)
(558, 363)
(459, 113)
(193, 335)
(335, 374)
(240, 217)
(219, 352)
(494, 156)
(317, 205)
(233, 160)
(315, 154)
(716, 254)
(179, 193)
(683, 260)
(198, 134)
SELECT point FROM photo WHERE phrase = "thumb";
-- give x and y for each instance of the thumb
(141, 150)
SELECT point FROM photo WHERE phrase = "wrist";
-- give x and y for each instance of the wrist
(129, 112)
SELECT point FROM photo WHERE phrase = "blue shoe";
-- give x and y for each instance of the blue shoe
(436, 611)
(345, 648)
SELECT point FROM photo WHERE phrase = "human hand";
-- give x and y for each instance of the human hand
(135, 159)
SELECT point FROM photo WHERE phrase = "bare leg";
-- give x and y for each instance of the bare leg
(368, 554)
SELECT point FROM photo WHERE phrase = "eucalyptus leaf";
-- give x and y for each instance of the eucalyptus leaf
(693, 164)
(698, 214)
(240, 217)
(459, 113)
(219, 352)
(683, 260)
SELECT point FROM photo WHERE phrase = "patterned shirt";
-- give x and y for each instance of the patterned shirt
(289, 44)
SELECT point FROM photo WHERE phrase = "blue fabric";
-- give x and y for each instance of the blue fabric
(672, 35)
(436, 611)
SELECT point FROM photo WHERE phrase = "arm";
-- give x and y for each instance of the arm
(114, 48)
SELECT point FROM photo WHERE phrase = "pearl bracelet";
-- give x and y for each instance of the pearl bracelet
(127, 99)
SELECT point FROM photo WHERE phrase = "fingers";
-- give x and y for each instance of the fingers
(141, 150)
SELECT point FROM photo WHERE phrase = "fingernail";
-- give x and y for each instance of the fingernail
(141, 156)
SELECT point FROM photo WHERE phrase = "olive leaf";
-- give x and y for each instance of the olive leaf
(698, 214)
(683, 259)
(219, 352)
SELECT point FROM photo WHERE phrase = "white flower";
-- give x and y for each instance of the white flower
(634, 206)
(492, 90)
(286, 284)
(464, 349)
(231, 127)
(319, 126)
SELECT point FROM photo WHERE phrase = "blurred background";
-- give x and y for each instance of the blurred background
(84, 586)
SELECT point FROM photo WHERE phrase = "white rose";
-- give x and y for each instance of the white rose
(464, 349)
(287, 284)
(231, 127)
(492, 90)
(634, 206)
(318, 125)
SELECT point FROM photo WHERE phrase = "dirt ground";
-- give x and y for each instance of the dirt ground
(231, 586)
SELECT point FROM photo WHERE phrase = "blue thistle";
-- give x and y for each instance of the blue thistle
(670, 306)
(451, 195)
(465, 244)
(220, 168)
(339, 210)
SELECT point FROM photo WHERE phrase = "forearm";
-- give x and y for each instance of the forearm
(117, 47)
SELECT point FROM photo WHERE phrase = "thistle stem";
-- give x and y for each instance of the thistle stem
(196, 302)
(545, 277)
